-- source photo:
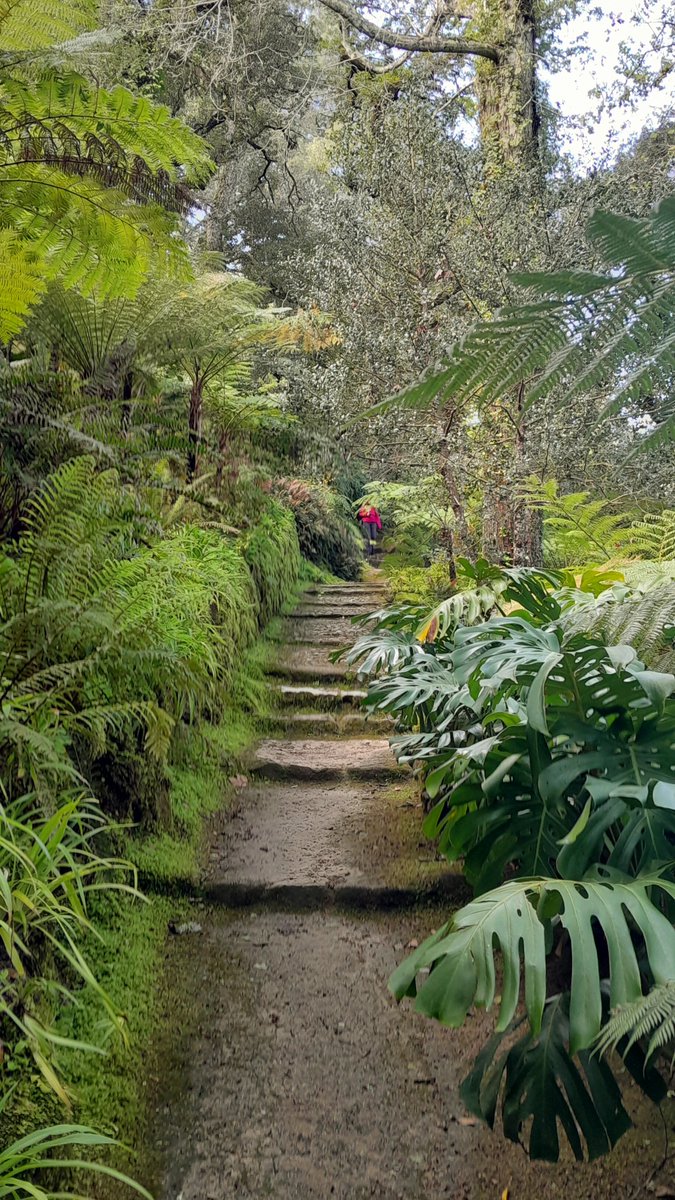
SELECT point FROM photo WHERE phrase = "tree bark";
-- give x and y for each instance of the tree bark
(425, 43)
(497, 539)
(528, 525)
(506, 90)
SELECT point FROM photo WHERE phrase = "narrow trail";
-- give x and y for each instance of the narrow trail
(288, 1070)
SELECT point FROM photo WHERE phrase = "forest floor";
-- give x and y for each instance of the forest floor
(283, 1067)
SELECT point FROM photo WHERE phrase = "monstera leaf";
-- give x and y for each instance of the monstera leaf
(515, 920)
(542, 1088)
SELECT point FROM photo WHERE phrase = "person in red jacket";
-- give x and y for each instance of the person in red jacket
(372, 522)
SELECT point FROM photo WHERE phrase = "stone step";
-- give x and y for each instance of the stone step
(450, 888)
(322, 631)
(330, 607)
(308, 662)
(356, 590)
(316, 724)
(346, 758)
(324, 698)
(294, 840)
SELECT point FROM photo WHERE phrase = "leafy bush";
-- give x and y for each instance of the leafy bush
(548, 757)
(327, 535)
(48, 867)
(272, 552)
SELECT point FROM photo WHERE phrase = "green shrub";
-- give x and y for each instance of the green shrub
(272, 552)
(327, 534)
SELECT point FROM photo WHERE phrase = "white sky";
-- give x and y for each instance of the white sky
(570, 91)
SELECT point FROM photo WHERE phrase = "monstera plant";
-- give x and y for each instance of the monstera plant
(548, 759)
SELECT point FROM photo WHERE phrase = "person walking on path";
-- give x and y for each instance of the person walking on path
(372, 522)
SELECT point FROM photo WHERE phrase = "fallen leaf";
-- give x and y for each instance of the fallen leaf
(505, 1194)
(238, 782)
(467, 1120)
(187, 927)
(412, 944)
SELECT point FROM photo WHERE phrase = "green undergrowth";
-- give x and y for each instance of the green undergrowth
(418, 585)
(126, 947)
(206, 758)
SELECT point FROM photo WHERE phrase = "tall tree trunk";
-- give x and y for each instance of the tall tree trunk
(497, 539)
(194, 427)
(507, 106)
(509, 124)
(447, 542)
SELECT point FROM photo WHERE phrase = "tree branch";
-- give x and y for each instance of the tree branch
(425, 43)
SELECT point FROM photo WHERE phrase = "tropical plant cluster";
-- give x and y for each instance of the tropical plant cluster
(545, 751)
(109, 647)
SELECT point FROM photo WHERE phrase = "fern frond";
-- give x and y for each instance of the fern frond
(22, 282)
(582, 529)
(123, 141)
(653, 537)
(577, 330)
(643, 618)
(86, 234)
(653, 1017)
(36, 24)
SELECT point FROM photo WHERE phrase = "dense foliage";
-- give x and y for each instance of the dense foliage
(326, 532)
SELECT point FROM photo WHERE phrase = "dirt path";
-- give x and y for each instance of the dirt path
(294, 1074)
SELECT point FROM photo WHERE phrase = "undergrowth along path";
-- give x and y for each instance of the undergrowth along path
(295, 1075)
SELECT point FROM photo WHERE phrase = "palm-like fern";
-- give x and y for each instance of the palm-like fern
(653, 537)
(91, 641)
(578, 330)
(86, 175)
(578, 528)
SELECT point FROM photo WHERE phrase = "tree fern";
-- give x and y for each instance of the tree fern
(576, 330)
(581, 529)
(653, 537)
(88, 175)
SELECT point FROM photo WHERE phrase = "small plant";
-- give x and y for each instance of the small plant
(50, 1150)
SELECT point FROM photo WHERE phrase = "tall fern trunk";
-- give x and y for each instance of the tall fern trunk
(497, 519)
(227, 465)
(195, 427)
(127, 391)
(528, 534)
(528, 525)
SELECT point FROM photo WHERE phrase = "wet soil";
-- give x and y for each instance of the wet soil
(284, 1067)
